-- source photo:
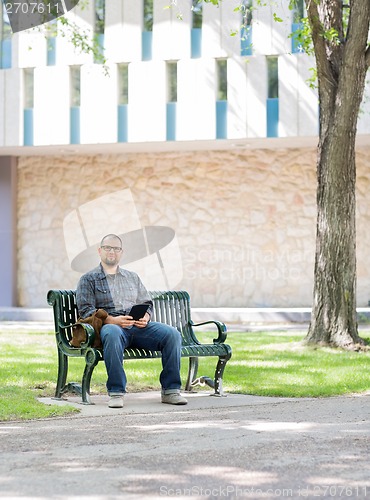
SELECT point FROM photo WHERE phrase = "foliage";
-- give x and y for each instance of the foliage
(83, 40)
(302, 36)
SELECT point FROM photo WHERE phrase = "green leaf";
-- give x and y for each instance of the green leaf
(277, 19)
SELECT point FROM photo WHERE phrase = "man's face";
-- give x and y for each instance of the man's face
(110, 252)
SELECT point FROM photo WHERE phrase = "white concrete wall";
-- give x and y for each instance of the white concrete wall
(123, 30)
(11, 107)
(171, 36)
(51, 105)
(83, 20)
(302, 118)
(30, 49)
(196, 117)
(196, 99)
(237, 98)
(363, 126)
(256, 97)
(98, 110)
(147, 101)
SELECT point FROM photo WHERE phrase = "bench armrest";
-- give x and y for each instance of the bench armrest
(221, 329)
(90, 334)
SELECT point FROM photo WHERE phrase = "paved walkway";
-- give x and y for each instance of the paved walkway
(234, 447)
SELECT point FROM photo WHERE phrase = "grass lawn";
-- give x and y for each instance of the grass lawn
(273, 363)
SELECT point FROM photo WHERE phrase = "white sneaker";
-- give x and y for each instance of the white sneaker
(116, 401)
(174, 398)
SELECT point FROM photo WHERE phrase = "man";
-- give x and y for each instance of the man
(116, 290)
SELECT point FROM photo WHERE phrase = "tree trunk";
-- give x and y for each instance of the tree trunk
(341, 74)
(334, 307)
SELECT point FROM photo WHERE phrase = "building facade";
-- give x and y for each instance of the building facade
(195, 141)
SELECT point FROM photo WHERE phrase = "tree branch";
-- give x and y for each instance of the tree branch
(357, 36)
(358, 28)
(324, 71)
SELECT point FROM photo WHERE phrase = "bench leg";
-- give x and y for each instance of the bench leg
(92, 358)
(222, 360)
(192, 373)
(62, 375)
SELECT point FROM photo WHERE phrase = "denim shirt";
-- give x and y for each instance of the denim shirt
(93, 292)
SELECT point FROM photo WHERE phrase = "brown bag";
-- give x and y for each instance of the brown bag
(96, 320)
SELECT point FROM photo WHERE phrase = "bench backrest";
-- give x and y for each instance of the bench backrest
(170, 307)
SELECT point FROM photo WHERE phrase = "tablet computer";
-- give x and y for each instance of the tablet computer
(138, 311)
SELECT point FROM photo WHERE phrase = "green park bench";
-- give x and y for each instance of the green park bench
(170, 307)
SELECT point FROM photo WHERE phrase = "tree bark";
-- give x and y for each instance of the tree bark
(341, 68)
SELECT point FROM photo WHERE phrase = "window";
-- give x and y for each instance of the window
(99, 31)
(28, 87)
(273, 77)
(196, 28)
(148, 15)
(171, 81)
(99, 17)
(122, 84)
(6, 31)
(246, 9)
(5, 40)
(298, 11)
(51, 37)
(171, 121)
(147, 33)
(221, 79)
(272, 104)
(197, 13)
(28, 98)
(75, 103)
(221, 99)
(75, 82)
(122, 101)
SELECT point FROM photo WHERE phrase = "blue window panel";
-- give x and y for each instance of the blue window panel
(196, 43)
(246, 41)
(171, 121)
(146, 45)
(74, 119)
(221, 119)
(28, 127)
(296, 46)
(6, 53)
(100, 47)
(272, 112)
(51, 51)
(101, 40)
(122, 129)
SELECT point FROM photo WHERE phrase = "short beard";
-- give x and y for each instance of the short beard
(113, 262)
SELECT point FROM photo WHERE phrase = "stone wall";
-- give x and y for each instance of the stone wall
(238, 227)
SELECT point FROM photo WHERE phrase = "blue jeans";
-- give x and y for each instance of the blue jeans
(156, 337)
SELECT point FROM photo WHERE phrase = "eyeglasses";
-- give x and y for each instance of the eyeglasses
(107, 248)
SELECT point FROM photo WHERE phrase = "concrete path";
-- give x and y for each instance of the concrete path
(234, 447)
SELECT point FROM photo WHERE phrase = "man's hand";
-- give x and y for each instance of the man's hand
(122, 321)
(127, 321)
(141, 323)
